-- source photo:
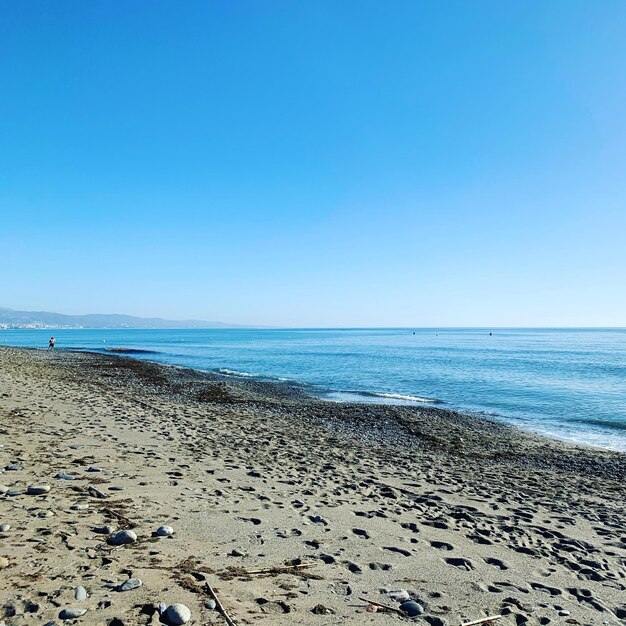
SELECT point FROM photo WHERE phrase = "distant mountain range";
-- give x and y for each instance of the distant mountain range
(42, 319)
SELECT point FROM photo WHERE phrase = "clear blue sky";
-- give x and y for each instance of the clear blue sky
(316, 163)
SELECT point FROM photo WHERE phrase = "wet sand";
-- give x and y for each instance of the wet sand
(469, 517)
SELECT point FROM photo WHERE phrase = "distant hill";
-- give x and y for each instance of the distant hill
(43, 319)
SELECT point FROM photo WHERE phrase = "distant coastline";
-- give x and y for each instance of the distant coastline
(11, 319)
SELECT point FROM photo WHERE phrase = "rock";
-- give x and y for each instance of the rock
(123, 537)
(63, 476)
(3, 489)
(37, 490)
(164, 531)
(79, 507)
(4, 562)
(4, 527)
(80, 594)
(15, 492)
(104, 530)
(564, 613)
(116, 488)
(71, 613)
(94, 468)
(320, 609)
(399, 595)
(412, 608)
(45, 513)
(236, 552)
(13, 467)
(177, 614)
(131, 583)
(210, 604)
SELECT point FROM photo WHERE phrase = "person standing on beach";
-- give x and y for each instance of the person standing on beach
(51, 343)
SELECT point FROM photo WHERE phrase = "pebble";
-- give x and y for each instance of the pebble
(71, 613)
(412, 608)
(399, 595)
(124, 536)
(177, 614)
(210, 604)
(37, 490)
(4, 527)
(164, 531)
(131, 583)
(13, 467)
(236, 552)
(4, 562)
(104, 530)
(80, 594)
(15, 492)
(94, 468)
(79, 507)
(564, 613)
(46, 513)
(3, 489)
(62, 476)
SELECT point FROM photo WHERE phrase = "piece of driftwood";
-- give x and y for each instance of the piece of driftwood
(384, 606)
(482, 620)
(218, 605)
(280, 568)
(96, 492)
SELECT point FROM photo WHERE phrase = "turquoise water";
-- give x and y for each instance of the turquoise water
(570, 384)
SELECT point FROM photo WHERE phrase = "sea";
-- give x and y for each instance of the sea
(569, 384)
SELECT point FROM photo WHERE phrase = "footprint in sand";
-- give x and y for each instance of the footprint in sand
(461, 563)
(496, 563)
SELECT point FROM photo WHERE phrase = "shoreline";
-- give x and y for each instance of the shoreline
(322, 395)
(470, 517)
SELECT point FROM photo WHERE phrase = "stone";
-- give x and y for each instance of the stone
(15, 492)
(63, 476)
(399, 595)
(3, 489)
(129, 584)
(236, 552)
(104, 530)
(176, 614)
(94, 468)
(37, 490)
(4, 528)
(123, 537)
(164, 531)
(45, 513)
(13, 467)
(412, 608)
(80, 594)
(210, 604)
(71, 613)
(79, 507)
(4, 562)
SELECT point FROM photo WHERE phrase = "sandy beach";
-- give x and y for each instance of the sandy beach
(292, 509)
